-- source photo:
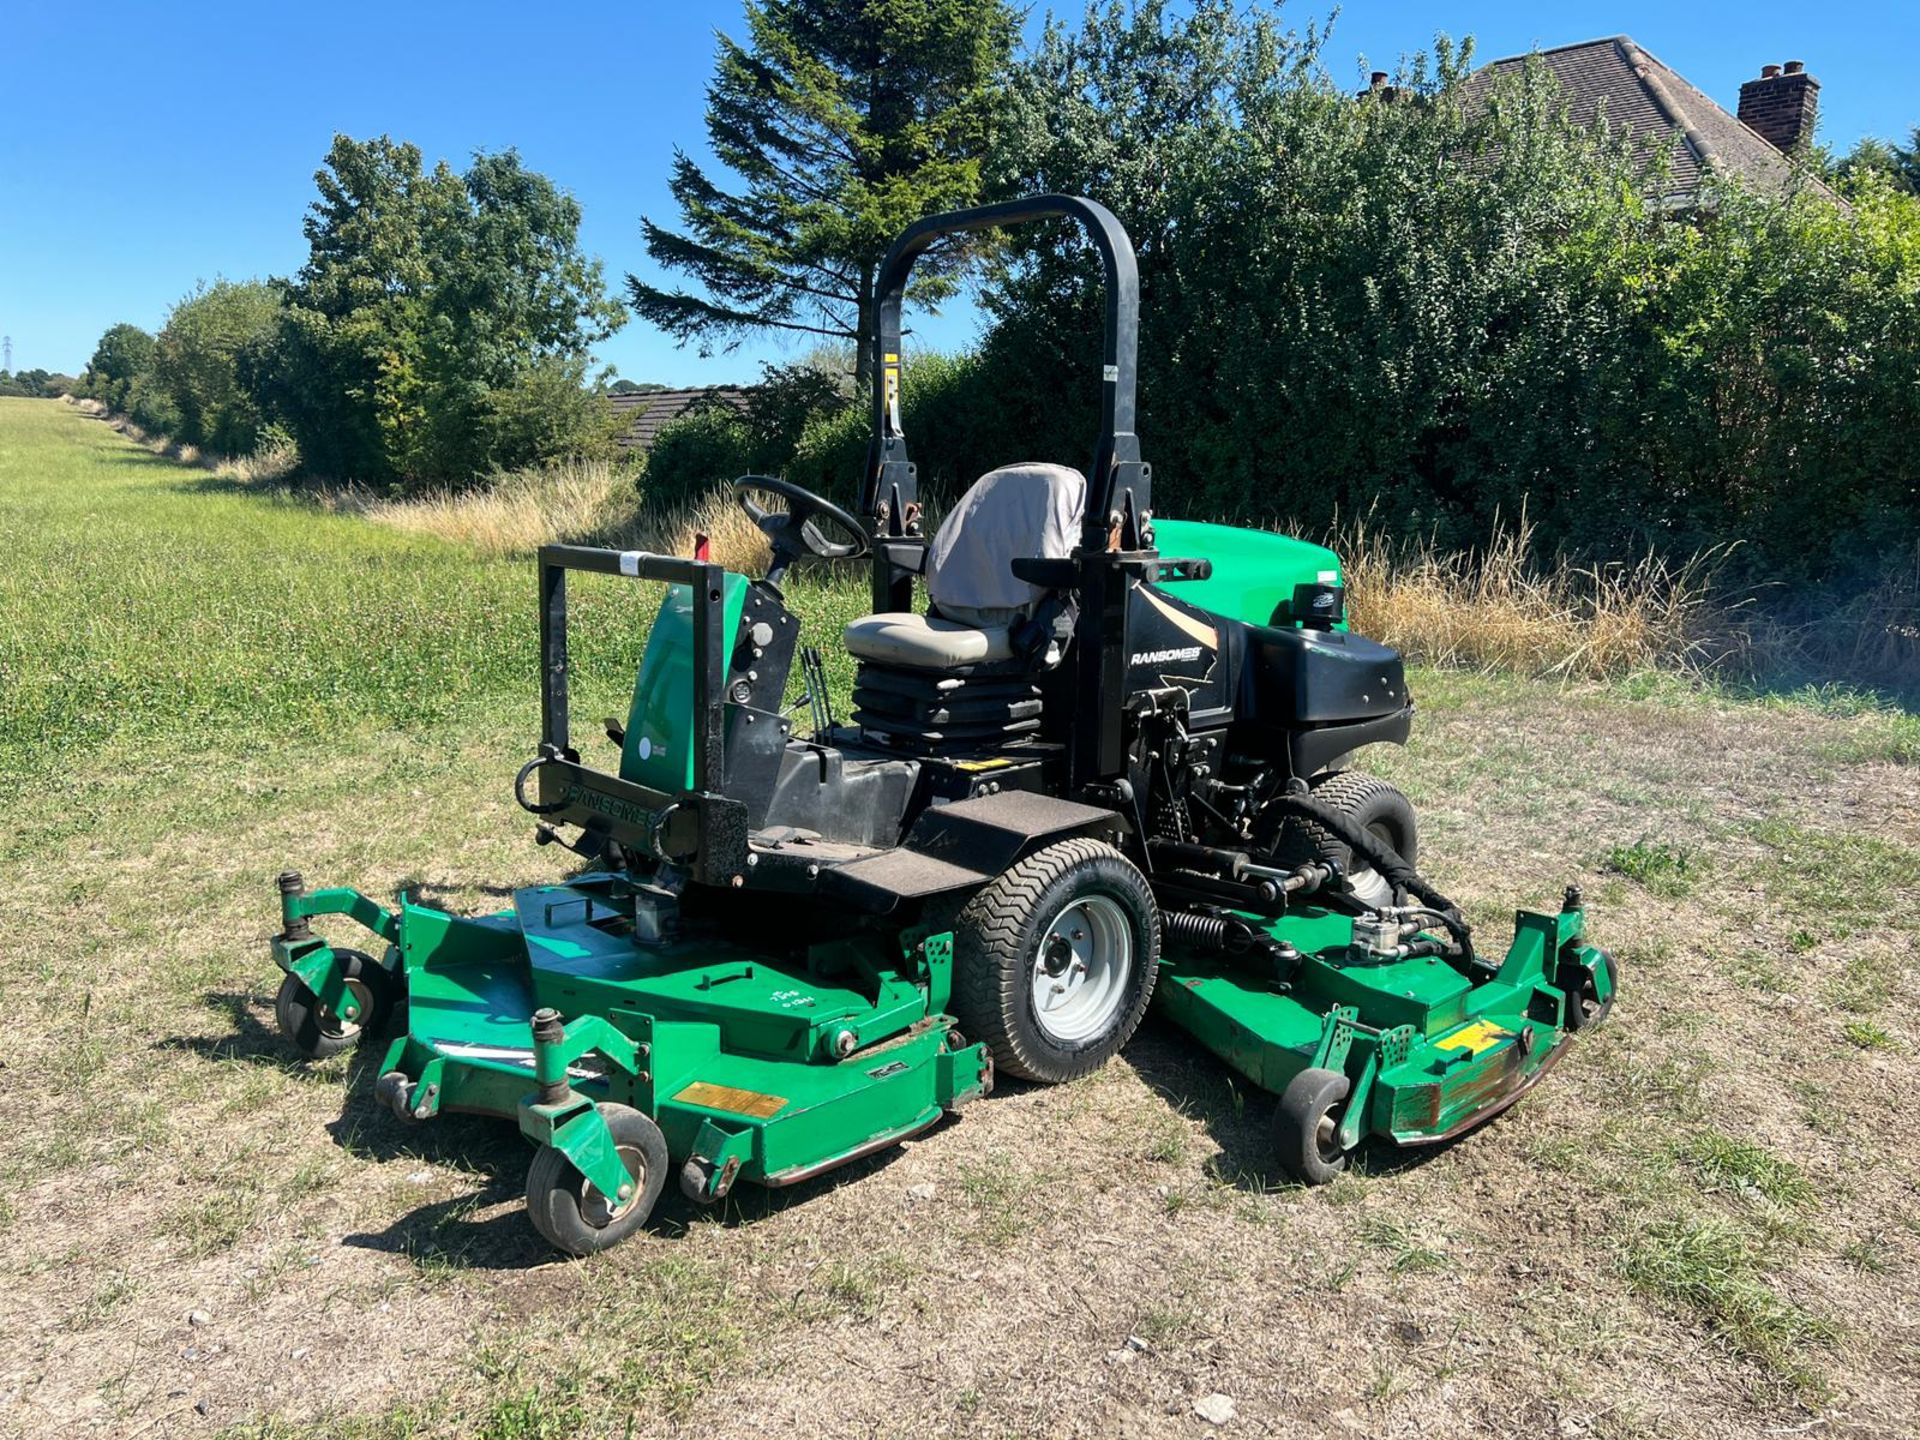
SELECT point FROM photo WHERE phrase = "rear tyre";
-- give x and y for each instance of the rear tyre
(1306, 1126)
(572, 1215)
(1368, 802)
(1054, 961)
(315, 1030)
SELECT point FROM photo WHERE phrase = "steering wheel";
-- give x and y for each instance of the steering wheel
(792, 532)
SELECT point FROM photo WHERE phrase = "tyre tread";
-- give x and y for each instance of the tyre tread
(984, 993)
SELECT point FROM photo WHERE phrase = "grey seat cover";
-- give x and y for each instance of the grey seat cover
(1009, 514)
(1012, 513)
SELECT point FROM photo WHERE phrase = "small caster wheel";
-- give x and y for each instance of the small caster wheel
(391, 1091)
(395, 1091)
(698, 1184)
(574, 1216)
(1306, 1126)
(316, 1031)
(1585, 1008)
(694, 1176)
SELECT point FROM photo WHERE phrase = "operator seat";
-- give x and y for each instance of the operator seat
(961, 676)
(974, 598)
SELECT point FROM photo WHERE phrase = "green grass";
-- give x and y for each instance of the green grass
(1406, 1252)
(1663, 867)
(1866, 1035)
(1725, 1162)
(1712, 1266)
(184, 607)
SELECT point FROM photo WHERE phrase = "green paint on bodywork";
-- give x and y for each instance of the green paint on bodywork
(1253, 570)
(732, 1052)
(1428, 1049)
(658, 751)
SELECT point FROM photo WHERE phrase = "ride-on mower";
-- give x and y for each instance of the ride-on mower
(1108, 759)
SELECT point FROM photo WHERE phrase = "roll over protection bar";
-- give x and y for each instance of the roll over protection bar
(1119, 484)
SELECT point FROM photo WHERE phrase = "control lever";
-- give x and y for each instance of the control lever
(817, 697)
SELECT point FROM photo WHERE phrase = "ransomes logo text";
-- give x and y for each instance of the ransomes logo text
(610, 806)
(1166, 657)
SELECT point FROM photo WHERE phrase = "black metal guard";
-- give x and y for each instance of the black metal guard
(707, 829)
(706, 581)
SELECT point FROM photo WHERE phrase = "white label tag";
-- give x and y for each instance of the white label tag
(1110, 372)
(630, 561)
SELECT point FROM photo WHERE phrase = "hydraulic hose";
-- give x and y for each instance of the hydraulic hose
(1383, 857)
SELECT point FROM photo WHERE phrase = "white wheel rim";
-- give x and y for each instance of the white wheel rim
(597, 1209)
(1081, 969)
(1369, 886)
(346, 1029)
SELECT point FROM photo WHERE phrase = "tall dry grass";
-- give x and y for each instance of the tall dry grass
(1490, 609)
(1870, 637)
(583, 502)
(272, 465)
(575, 502)
(1493, 609)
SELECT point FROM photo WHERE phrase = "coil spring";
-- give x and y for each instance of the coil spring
(1199, 929)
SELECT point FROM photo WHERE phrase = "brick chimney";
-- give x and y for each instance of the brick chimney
(1377, 87)
(1781, 104)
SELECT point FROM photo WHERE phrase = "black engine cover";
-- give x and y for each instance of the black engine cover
(1320, 677)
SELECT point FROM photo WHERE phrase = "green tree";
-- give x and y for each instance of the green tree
(1437, 308)
(844, 121)
(123, 352)
(717, 440)
(198, 359)
(1899, 164)
(431, 309)
(35, 384)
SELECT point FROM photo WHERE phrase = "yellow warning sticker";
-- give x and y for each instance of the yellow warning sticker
(1481, 1035)
(729, 1098)
(994, 764)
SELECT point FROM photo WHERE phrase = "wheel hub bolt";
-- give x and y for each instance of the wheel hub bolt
(1059, 955)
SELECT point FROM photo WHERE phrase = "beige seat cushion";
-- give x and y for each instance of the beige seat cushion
(926, 643)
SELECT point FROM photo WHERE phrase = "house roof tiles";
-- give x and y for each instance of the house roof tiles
(1638, 91)
(647, 412)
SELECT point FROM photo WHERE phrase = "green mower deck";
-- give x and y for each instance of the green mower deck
(1404, 1050)
(750, 1069)
(769, 1073)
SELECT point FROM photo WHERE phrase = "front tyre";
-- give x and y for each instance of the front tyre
(1373, 805)
(1585, 1008)
(1054, 961)
(571, 1214)
(315, 1030)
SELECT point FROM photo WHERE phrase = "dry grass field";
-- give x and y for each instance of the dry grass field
(1707, 1223)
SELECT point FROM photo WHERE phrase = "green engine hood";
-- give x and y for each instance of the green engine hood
(1253, 570)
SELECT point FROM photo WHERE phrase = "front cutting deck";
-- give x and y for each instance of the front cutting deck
(762, 1067)
(1438, 1051)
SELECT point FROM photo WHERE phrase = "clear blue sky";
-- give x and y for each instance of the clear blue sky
(143, 147)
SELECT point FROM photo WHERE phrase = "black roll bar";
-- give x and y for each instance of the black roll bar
(1118, 482)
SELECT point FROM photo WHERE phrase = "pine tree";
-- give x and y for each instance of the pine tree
(845, 121)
